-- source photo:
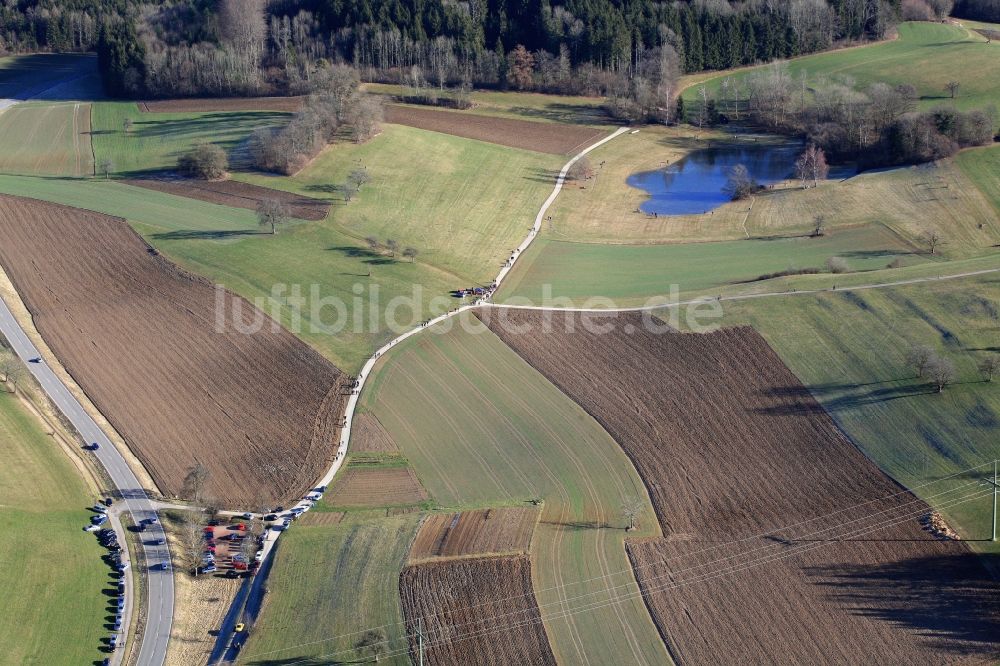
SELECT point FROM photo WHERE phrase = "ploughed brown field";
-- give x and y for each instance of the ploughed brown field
(261, 411)
(477, 532)
(236, 194)
(553, 138)
(475, 612)
(375, 486)
(732, 447)
(556, 138)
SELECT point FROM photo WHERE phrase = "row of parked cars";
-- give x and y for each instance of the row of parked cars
(120, 566)
(280, 520)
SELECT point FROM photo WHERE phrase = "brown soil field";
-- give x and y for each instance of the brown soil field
(139, 335)
(368, 435)
(469, 608)
(556, 138)
(375, 486)
(320, 518)
(553, 138)
(209, 104)
(236, 194)
(732, 446)
(478, 532)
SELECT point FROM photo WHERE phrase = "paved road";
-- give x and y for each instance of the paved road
(160, 583)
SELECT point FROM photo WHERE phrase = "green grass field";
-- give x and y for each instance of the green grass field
(330, 584)
(461, 203)
(51, 574)
(481, 427)
(925, 55)
(156, 140)
(629, 274)
(982, 167)
(46, 138)
(849, 349)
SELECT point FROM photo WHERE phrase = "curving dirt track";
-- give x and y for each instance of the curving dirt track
(261, 411)
(476, 612)
(731, 445)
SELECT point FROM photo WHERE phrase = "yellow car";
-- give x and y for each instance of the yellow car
(239, 627)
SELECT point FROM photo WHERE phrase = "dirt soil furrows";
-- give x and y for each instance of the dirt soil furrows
(236, 194)
(370, 436)
(732, 446)
(478, 532)
(475, 612)
(556, 138)
(375, 487)
(142, 338)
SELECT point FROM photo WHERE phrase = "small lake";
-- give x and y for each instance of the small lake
(694, 184)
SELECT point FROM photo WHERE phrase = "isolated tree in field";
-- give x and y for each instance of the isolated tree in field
(941, 372)
(206, 161)
(410, 253)
(358, 178)
(520, 67)
(631, 507)
(582, 169)
(373, 243)
(811, 166)
(990, 367)
(105, 168)
(740, 184)
(191, 540)
(7, 362)
(819, 226)
(127, 125)
(271, 212)
(194, 482)
(392, 245)
(837, 265)
(13, 371)
(933, 239)
(952, 88)
(920, 358)
(371, 642)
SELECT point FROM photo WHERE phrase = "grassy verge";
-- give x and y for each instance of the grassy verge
(481, 427)
(52, 574)
(849, 349)
(336, 581)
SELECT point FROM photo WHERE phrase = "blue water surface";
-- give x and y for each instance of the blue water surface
(695, 184)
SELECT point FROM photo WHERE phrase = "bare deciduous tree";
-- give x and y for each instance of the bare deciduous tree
(127, 125)
(933, 239)
(271, 212)
(631, 508)
(989, 367)
(365, 117)
(582, 169)
(811, 166)
(193, 486)
(941, 372)
(106, 167)
(373, 243)
(952, 88)
(371, 642)
(920, 357)
(819, 226)
(206, 161)
(358, 178)
(392, 245)
(191, 542)
(739, 183)
(410, 253)
(837, 265)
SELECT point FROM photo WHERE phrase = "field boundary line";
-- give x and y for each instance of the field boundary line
(746, 297)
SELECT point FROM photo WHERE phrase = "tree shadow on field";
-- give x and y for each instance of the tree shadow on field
(367, 256)
(577, 525)
(800, 400)
(541, 175)
(197, 234)
(950, 601)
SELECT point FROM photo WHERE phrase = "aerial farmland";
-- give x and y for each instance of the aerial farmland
(656, 333)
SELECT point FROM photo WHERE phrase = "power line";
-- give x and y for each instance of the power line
(633, 571)
(613, 590)
(642, 593)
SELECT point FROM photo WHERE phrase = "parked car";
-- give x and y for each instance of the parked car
(99, 519)
(108, 501)
(123, 566)
(99, 508)
(239, 627)
(155, 542)
(248, 516)
(259, 555)
(271, 516)
(91, 528)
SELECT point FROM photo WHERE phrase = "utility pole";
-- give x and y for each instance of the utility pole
(996, 487)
